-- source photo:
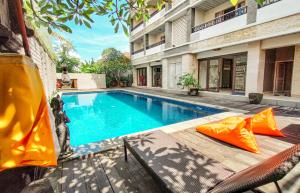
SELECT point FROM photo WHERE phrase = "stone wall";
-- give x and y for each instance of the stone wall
(87, 81)
(179, 31)
(45, 64)
(296, 72)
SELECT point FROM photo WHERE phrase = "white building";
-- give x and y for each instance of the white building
(229, 49)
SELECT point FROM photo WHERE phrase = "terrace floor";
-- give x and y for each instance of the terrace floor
(108, 172)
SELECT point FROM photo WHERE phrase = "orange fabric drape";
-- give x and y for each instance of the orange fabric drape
(25, 131)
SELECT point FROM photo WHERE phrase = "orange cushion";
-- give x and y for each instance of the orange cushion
(236, 131)
(264, 123)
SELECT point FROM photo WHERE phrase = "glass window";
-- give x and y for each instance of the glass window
(203, 74)
(213, 74)
(157, 76)
(240, 73)
(142, 76)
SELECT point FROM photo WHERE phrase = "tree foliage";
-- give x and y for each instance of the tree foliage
(114, 64)
(64, 57)
(91, 67)
(56, 13)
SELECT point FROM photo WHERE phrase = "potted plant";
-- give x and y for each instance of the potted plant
(255, 98)
(123, 81)
(188, 81)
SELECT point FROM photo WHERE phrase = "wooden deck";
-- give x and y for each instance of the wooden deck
(108, 172)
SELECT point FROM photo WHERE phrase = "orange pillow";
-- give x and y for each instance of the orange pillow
(264, 123)
(234, 130)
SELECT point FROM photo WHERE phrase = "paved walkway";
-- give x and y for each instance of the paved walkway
(108, 172)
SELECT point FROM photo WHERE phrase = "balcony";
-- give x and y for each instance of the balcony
(156, 15)
(267, 2)
(155, 48)
(273, 9)
(221, 19)
(137, 28)
(137, 54)
(226, 23)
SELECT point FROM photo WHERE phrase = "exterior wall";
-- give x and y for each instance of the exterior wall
(199, 17)
(255, 68)
(275, 28)
(45, 64)
(282, 41)
(296, 72)
(224, 51)
(176, 2)
(179, 31)
(278, 10)
(138, 45)
(231, 25)
(149, 76)
(154, 38)
(210, 14)
(155, 49)
(4, 20)
(87, 81)
(164, 73)
(134, 76)
(190, 64)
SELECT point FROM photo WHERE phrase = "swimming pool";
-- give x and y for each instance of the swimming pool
(97, 116)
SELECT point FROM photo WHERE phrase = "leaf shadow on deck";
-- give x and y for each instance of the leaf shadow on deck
(182, 168)
(292, 134)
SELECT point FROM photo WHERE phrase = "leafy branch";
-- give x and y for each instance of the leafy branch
(55, 14)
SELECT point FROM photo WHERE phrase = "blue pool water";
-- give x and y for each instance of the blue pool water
(96, 116)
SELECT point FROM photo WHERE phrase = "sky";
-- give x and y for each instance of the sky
(89, 43)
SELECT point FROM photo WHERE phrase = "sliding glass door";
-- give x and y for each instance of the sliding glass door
(142, 76)
(240, 67)
(203, 65)
(156, 76)
(213, 75)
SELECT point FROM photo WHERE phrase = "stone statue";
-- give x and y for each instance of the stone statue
(65, 78)
(62, 130)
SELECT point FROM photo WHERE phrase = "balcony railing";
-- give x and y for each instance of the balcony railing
(155, 44)
(238, 12)
(133, 28)
(156, 11)
(138, 51)
(268, 2)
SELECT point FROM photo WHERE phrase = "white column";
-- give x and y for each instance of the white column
(149, 76)
(255, 68)
(296, 72)
(165, 72)
(189, 64)
(134, 76)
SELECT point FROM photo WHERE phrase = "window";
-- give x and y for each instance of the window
(142, 76)
(157, 76)
(240, 73)
(229, 11)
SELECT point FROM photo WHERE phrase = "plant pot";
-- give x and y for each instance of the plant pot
(193, 91)
(123, 83)
(255, 98)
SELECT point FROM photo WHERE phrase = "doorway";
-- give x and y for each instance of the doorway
(283, 78)
(175, 71)
(227, 69)
(142, 76)
(157, 76)
(225, 74)
(279, 65)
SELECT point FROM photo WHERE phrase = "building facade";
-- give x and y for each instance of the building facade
(229, 49)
